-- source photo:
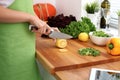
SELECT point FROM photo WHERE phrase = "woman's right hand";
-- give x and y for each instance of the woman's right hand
(42, 26)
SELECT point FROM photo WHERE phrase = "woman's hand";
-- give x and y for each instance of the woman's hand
(55, 29)
(43, 28)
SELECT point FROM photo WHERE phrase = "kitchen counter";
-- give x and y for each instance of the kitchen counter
(70, 63)
(84, 73)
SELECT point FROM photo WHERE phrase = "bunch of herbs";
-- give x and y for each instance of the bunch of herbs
(89, 52)
(76, 27)
(92, 7)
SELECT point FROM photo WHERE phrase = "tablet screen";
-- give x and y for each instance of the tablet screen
(104, 74)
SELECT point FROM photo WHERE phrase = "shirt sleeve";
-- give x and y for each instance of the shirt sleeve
(6, 3)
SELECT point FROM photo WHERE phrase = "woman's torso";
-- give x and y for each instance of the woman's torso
(17, 47)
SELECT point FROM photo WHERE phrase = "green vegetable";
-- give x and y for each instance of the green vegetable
(92, 7)
(89, 52)
(76, 27)
(100, 34)
(89, 23)
(72, 29)
(111, 46)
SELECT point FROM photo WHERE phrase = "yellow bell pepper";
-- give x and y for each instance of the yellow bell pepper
(113, 46)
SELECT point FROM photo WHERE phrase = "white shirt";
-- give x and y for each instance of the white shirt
(6, 3)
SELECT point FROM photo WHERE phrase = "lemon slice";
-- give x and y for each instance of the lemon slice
(61, 43)
(63, 50)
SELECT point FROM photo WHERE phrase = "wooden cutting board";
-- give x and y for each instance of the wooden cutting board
(54, 60)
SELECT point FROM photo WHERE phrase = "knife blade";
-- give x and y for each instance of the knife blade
(60, 35)
(54, 34)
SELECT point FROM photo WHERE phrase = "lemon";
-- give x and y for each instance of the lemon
(61, 43)
(83, 36)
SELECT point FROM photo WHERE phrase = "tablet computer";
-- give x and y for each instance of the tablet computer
(104, 74)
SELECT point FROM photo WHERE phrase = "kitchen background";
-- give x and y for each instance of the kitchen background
(76, 8)
(68, 7)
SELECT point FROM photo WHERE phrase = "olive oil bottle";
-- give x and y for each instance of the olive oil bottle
(105, 13)
(102, 21)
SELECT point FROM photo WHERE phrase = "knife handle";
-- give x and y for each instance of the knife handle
(32, 27)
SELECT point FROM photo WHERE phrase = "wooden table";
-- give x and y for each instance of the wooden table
(64, 63)
(84, 73)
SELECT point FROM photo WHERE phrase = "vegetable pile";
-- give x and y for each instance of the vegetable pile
(60, 20)
(76, 27)
(89, 52)
(100, 34)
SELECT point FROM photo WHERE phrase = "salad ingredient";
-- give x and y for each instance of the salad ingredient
(60, 20)
(100, 34)
(83, 36)
(76, 27)
(89, 23)
(63, 50)
(61, 43)
(89, 52)
(113, 46)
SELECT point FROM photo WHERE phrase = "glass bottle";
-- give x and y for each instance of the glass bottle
(105, 11)
(102, 21)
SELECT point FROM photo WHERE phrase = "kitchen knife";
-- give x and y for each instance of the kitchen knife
(54, 34)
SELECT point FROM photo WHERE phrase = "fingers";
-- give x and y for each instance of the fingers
(48, 30)
(55, 29)
(43, 27)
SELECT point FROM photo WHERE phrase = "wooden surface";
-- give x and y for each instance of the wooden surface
(84, 73)
(54, 60)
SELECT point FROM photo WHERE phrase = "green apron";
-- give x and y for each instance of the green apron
(17, 47)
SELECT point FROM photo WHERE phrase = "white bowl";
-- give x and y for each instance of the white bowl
(101, 41)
